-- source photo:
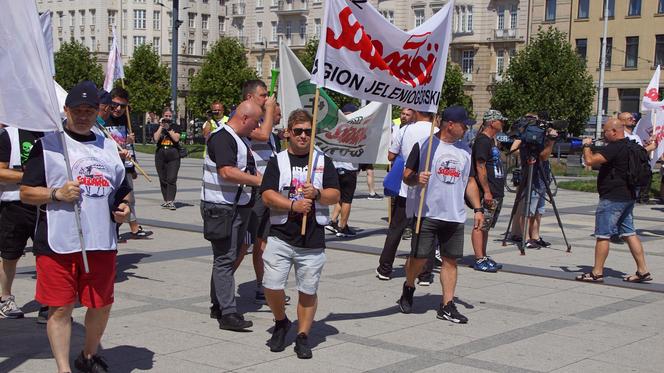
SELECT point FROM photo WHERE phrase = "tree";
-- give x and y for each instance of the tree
(307, 56)
(147, 81)
(221, 76)
(452, 93)
(547, 75)
(74, 63)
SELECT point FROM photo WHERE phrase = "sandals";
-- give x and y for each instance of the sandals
(638, 277)
(590, 277)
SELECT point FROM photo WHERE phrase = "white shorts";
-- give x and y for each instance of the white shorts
(280, 256)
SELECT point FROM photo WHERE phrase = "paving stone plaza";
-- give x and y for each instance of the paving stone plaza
(530, 317)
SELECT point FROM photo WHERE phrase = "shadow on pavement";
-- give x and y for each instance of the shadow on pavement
(608, 272)
(126, 262)
(128, 358)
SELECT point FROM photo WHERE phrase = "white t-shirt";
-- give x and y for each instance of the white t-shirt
(634, 138)
(450, 169)
(345, 165)
(405, 139)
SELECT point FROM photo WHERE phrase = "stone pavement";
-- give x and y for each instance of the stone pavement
(531, 317)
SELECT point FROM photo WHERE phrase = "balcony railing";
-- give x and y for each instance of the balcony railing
(295, 40)
(294, 7)
(238, 10)
(504, 34)
(468, 77)
(243, 40)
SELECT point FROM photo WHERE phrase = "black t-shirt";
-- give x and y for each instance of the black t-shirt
(165, 138)
(27, 140)
(35, 176)
(222, 149)
(289, 232)
(484, 149)
(542, 169)
(612, 178)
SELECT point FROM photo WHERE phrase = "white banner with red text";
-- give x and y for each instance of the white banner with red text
(360, 137)
(363, 55)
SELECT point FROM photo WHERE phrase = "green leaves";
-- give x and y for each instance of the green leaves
(147, 81)
(452, 93)
(74, 63)
(547, 75)
(221, 76)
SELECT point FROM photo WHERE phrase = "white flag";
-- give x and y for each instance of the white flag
(360, 137)
(657, 120)
(363, 55)
(114, 68)
(46, 21)
(651, 95)
(27, 93)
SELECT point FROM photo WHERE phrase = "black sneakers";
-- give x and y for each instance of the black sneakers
(406, 300)
(302, 348)
(449, 312)
(278, 341)
(332, 227)
(95, 364)
(234, 322)
(346, 232)
(215, 312)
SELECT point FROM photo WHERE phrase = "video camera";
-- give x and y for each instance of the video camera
(532, 131)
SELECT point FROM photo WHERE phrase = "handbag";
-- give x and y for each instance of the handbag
(392, 181)
(218, 219)
(182, 151)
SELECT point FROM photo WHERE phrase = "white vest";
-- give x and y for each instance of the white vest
(278, 217)
(444, 196)
(263, 151)
(10, 192)
(98, 168)
(217, 190)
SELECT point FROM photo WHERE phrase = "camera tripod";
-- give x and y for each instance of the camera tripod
(524, 192)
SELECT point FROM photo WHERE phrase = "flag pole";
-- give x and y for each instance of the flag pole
(108, 135)
(311, 152)
(424, 188)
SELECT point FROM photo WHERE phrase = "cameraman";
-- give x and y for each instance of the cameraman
(541, 179)
(614, 215)
(167, 157)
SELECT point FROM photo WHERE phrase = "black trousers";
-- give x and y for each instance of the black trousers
(167, 162)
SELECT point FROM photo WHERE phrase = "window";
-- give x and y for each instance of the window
(61, 17)
(138, 41)
(274, 31)
(259, 32)
(501, 18)
(288, 30)
(156, 20)
(124, 45)
(139, 19)
(222, 25)
(205, 18)
(124, 19)
(204, 47)
(83, 41)
(156, 45)
(467, 59)
(582, 48)
(192, 20)
(259, 3)
(190, 47)
(609, 46)
(317, 27)
(469, 18)
(605, 101)
(583, 9)
(514, 17)
(631, 51)
(660, 7)
(463, 19)
(634, 9)
(72, 18)
(93, 43)
(389, 15)
(630, 99)
(110, 43)
(659, 50)
(82, 17)
(612, 8)
(550, 10)
(419, 17)
(170, 46)
(93, 15)
(259, 67)
(303, 29)
(275, 3)
(273, 63)
(500, 61)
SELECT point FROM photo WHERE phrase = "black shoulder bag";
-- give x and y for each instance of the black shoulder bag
(218, 219)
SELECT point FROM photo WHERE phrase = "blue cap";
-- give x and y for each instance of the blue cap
(84, 93)
(457, 114)
(104, 97)
(348, 108)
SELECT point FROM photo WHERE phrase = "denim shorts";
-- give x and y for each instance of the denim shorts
(614, 218)
(278, 258)
(537, 202)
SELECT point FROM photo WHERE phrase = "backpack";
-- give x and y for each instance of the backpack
(639, 173)
(392, 181)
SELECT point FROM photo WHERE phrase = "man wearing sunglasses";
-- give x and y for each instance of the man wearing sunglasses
(217, 119)
(289, 194)
(445, 183)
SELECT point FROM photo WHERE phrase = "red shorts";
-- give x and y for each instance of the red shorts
(61, 279)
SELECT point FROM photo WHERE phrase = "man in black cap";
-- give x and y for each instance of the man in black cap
(99, 189)
(446, 182)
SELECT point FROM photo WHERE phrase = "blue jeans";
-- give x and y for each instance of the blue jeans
(614, 218)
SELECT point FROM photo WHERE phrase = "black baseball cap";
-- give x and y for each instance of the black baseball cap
(84, 93)
(457, 114)
(104, 97)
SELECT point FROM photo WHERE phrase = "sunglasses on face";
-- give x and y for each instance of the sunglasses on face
(299, 131)
(216, 111)
(116, 105)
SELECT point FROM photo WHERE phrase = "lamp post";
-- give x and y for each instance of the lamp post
(602, 67)
(174, 54)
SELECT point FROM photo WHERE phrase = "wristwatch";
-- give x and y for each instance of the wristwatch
(479, 209)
